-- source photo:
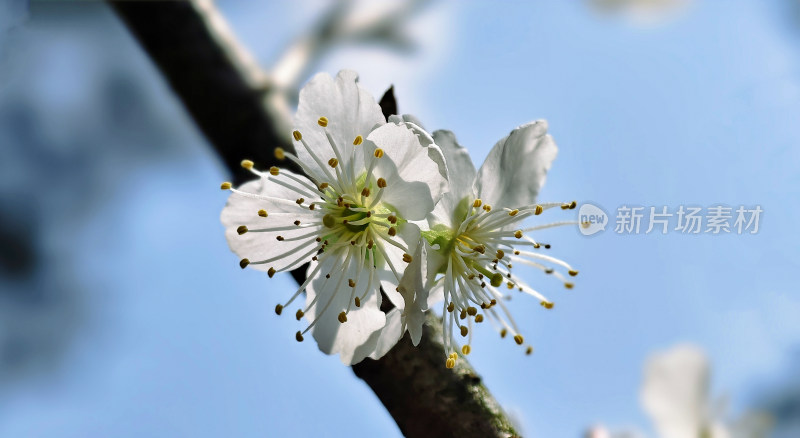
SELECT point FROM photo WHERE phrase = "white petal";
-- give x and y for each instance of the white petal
(351, 111)
(282, 211)
(414, 291)
(387, 338)
(408, 234)
(515, 169)
(415, 180)
(453, 206)
(352, 340)
(675, 392)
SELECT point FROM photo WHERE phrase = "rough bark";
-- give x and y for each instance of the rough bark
(217, 87)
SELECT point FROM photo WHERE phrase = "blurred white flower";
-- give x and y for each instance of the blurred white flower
(675, 394)
(348, 216)
(642, 12)
(475, 232)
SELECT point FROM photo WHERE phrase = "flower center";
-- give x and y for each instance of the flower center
(480, 262)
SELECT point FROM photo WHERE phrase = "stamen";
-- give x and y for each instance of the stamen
(225, 186)
(323, 121)
(359, 139)
(280, 154)
(247, 164)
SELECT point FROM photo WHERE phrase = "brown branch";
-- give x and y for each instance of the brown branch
(221, 88)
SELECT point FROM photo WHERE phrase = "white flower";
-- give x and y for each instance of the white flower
(477, 237)
(675, 394)
(348, 216)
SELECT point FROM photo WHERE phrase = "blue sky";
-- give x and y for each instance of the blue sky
(701, 110)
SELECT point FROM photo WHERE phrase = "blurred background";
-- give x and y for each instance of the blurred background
(123, 313)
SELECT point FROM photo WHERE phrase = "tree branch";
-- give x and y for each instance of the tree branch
(225, 93)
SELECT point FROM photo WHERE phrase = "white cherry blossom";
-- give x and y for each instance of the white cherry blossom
(476, 235)
(348, 216)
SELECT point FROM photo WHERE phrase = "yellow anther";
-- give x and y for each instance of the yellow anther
(271, 272)
(343, 317)
(478, 318)
(572, 205)
(243, 263)
(323, 121)
(519, 339)
(547, 304)
(274, 171)
(278, 309)
(453, 355)
(451, 307)
(564, 206)
(466, 349)
(539, 209)
(529, 350)
(407, 258)
(262, 213)
(241, 230)
(569, 285)
(500, 254)
(572, 272)
(280, 153)
(298, 336)
(329, 221)
(497, 279)
(464, 330)
(359, 139)
(510, 285)
(477, 203)
(471, 311)
(333, 162)
(518, 234)
(503, 333)
(357, 301)
(378, 153)
(535, 245)
(225, 186)
(487, 208)
(247, 164)
(381, 183)
(450, 363)
(392, 231)
(297, 136)
(351, 282)
(513, 212)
